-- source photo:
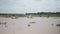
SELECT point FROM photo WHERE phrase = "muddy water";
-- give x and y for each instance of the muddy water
(23, 25)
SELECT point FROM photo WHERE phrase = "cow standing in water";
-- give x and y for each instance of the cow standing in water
(3, 23)
(29, 16)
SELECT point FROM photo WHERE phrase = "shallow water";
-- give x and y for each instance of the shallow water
(42, 25)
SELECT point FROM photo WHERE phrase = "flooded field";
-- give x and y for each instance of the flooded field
(34, 25)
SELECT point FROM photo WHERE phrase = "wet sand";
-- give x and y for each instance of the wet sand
(22, 25)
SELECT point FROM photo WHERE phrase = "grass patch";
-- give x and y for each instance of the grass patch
(32, 22)
(58, 25)
(29, 25)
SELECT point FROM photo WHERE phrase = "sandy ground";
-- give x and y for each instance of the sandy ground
(22, 25)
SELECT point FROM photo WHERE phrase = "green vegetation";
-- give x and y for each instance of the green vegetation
(39, 14)
(44, 14)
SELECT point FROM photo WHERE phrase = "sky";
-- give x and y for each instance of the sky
(29, 6)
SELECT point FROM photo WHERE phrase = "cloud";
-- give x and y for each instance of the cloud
(37, 0)
(57, 0)
(22, 6)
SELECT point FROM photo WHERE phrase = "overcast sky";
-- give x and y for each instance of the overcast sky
(29, 6)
